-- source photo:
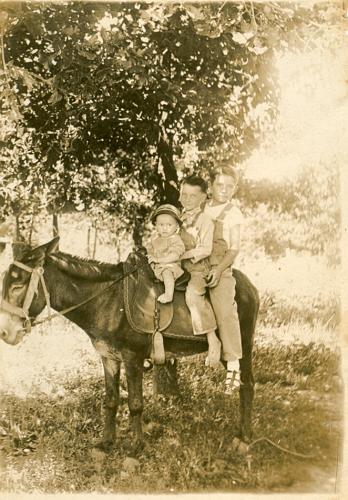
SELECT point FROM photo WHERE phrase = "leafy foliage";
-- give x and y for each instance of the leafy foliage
(101, 100)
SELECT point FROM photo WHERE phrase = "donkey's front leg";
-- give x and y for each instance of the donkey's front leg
(134, 372)
(112, 396)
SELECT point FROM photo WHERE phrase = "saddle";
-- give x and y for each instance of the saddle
(141, 290)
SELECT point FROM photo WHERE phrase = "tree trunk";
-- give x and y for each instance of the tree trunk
(165, 378)
(55, 225)
(18, 231)
(137, 234)
(165, 153)
(2, 30)
(17, 245)
(31, 230)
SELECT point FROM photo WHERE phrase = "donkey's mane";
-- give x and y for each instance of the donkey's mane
(79, 267)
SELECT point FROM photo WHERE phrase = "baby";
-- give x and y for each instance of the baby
(165, 250)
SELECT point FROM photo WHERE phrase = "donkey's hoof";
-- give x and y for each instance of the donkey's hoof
(245, 435)
(103, 446)
(97, 456)
(137, 445)
(240, 446)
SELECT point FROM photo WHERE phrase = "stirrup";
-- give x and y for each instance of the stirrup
(232, 382)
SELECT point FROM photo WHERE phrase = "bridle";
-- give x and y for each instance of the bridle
(36, 277)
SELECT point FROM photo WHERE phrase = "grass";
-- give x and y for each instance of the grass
(295, 288)
(47, 435)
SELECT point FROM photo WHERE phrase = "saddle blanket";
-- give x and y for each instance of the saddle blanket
(140, 292)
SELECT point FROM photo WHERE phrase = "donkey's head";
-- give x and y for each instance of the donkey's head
(21, 302)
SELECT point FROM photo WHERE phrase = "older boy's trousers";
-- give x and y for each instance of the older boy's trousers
(227, 316)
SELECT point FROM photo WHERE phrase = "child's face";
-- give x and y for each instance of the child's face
(191, 197)
(223, 188)
(166, 225)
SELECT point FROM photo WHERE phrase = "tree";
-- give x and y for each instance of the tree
(108, 96)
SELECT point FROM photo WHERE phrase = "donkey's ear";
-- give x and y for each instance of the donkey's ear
(38, 255)
(52, 246)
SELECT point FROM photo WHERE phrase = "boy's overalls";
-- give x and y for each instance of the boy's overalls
(222, 296)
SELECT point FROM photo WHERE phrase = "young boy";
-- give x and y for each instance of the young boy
(197, 234)
(166, 249)
(228, 219)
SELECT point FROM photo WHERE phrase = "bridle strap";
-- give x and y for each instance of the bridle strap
(33, 285)
(46, 294)
(23, 312)
(16, 311)
(23, 266)
(32, 288)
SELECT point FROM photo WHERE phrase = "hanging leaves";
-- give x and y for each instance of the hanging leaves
(108, 95)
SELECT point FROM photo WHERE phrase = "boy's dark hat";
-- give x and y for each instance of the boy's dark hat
(166, 209)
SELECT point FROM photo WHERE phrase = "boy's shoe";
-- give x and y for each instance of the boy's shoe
(232, 381)
(147, 364)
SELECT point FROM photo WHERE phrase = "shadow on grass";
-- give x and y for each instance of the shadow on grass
(188, 447)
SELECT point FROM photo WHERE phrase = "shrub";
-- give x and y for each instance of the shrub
(301, 214)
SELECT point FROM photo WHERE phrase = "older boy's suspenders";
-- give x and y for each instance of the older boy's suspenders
(219, 244)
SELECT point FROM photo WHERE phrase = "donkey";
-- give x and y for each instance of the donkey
(91, 295)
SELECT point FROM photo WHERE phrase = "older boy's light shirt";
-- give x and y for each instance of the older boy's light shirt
(202, 231)
(233, 217)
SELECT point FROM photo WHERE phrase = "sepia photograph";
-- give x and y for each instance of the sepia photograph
(173, 229)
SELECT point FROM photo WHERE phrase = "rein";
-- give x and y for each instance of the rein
(36, 277)
(76, 306)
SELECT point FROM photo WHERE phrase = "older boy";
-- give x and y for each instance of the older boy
(197, 234)
(228, 219)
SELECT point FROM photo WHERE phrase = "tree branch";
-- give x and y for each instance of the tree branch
(253, 22)
(3, 56)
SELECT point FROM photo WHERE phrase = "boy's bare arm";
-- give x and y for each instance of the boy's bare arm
(232, 252)
(150, 253)
(228, 259)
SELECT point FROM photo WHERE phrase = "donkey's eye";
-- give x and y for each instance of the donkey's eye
(16, 287)
(14, 274)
